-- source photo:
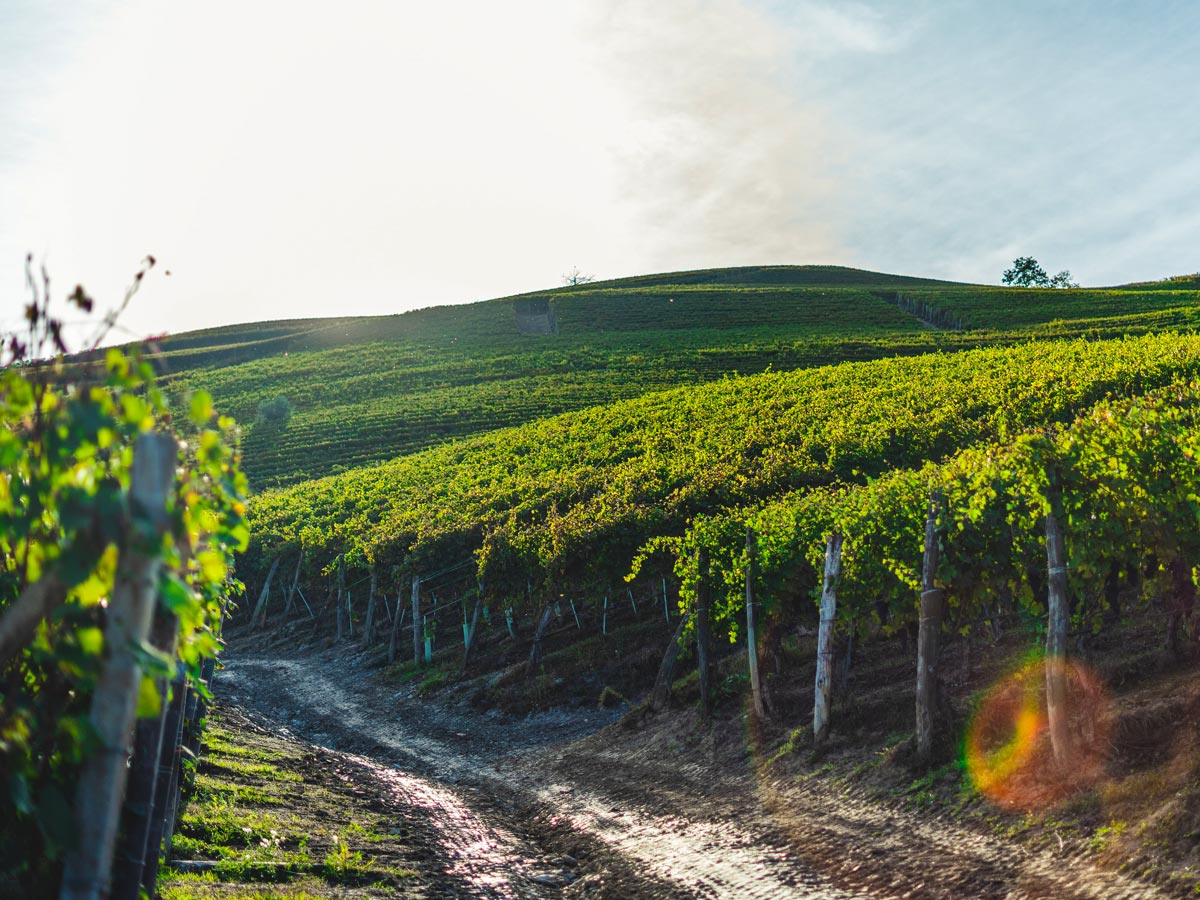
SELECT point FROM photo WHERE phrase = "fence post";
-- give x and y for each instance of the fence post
(824, 687)
(929, 631)
(369, 625)
(752, 625)
(1058, 621)
(87, 871)
(704, 633)
(416, 619)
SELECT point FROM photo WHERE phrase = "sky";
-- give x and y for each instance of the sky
(312, 159)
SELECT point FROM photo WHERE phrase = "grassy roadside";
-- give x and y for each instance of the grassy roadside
(271, 819)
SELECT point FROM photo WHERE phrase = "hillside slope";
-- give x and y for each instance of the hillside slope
(582, 491)
(366, 390)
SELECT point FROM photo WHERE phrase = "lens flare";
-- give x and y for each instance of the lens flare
(1009, 750)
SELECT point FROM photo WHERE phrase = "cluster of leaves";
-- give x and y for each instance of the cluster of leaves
(67, 430)
(575, 497)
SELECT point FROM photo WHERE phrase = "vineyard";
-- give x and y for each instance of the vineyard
(725, 486)
(1040, 494)
(369, 390)
(575, 496)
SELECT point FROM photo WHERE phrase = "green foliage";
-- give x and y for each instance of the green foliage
(273, 413)
(1129, 492)
(368, 390)
(1026, 272)
(66, 446)
(576, 496)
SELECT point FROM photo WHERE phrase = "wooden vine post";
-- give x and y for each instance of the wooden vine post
(341, 590)
(291, 596)
(535, 651)
(760, 708)
(369, 625)
(824, 687)
(260, 608)
(416, 619)
(162, 817)
(933, 603)
(660, 697)
(704, 632)
(138, 811)
(473, 630)
(87, 870)
(169, 772)
(1058, 620)
(397, 620)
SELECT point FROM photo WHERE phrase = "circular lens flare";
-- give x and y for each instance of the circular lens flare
(1012, 753)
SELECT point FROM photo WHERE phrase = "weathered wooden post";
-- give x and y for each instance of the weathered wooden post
(166, 794)
(291, 595)
(933, 603)
(535, 651)
(660, 697)
(369, 625)
(473, 631)
(260, 609)
(341, 590)
(136, 815)
(703, 633)
(1058, 618)
(824, 686)
(396, 621)
(87, 870)
(760, 708)
(416, 619)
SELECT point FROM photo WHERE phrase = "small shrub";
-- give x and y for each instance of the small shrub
(274, 413)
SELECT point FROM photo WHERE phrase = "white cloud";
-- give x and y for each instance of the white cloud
(366, 158)
(726, 159)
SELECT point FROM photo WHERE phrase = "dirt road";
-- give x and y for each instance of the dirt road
(558, 804)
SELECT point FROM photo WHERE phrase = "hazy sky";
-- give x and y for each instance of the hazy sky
(295, 159)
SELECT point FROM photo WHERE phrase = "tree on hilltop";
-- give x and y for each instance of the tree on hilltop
(576, 276)
(1028, 272)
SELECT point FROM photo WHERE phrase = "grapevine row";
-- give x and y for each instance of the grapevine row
(574, 497)
(1117, 488)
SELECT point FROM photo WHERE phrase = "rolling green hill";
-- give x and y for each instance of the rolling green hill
(574, 496)
(365, 390)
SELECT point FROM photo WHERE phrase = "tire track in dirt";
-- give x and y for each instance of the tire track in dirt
(662, 857)
(653, 828)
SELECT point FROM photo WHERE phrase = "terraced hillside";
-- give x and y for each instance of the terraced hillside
(574, 497)
(365, 390)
